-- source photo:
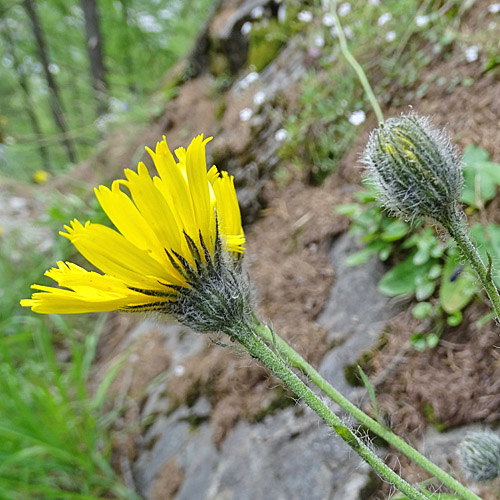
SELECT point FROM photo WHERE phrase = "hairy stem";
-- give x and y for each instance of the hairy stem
(292, 357)
(459, 233)
(269, 358)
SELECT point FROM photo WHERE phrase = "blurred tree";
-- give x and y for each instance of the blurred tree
(127, 43)
(55, 101)
(94, 50)
(29, 107)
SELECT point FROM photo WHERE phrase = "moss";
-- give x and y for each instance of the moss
(220, 109)
(266, 41)
(428, 412)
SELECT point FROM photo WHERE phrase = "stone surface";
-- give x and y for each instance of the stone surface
(355, 314)
(289, 456)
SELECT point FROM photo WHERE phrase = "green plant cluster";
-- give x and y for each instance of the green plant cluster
(55, 433)
(424, 265)
(319, 128)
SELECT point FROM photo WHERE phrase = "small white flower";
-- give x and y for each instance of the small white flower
(319, 41)
(348, 32)
(384, 18)
(334, 32)
(494, 8)
(53, 68)
(257, 12)
(305, 16)
(328, 20)
(421, 20)
(374, 2)
(246, 114)
(472, 53)
(357, 118)
(281, 135)
(179, 370)
(246, 28)
(166, 14)
(344, 9)
(282, 13)
(249, 79)
(391, 36)
(492, 25)
(259, 98)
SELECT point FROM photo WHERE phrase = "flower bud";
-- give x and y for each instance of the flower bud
(415, 168)
(479, 455)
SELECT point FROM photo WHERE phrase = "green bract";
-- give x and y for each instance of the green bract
(415, 168)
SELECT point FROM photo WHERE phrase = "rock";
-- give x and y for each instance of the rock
(355, 314)
(290, 456)
(249, 150)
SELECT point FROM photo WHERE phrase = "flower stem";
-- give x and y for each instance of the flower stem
(297, 361)
(459, 233)
(258, 349)
(355, 65)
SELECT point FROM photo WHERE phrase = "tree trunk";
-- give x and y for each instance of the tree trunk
(28, 103)
(55, 101)
(94, 49)
(128, 61)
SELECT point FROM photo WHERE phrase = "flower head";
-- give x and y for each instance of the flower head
(415, 168)
(479, 455)
(177, 241)
(40, 177)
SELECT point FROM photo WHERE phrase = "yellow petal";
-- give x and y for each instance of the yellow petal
(228, 211)
(196, 168)
(153, 207)
(128, 220)
(89, 292)
(113, 254)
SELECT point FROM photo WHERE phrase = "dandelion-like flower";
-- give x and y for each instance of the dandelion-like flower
(415, 168)
(176, 248)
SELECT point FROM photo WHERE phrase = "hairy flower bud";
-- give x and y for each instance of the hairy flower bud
(479, 455)
(415, 168)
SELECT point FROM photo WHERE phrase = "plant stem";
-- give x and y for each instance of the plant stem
(356, 66)
(459, 233)
(298, 362)
(269, 358)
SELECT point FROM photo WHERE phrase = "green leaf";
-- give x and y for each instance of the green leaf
(371, 391)
(487, 240)
(454, 319)
(424, 288)
(435, 271)
(418, 341)
(401, 279)
(349, 209)
(432, 340)
(422, 310)
(366, 196)
(360, 257)
(474, 154)
(395, 231)
(455, 295)
(480, 183)
(481, 177)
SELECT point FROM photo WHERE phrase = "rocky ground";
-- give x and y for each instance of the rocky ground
(205, 421)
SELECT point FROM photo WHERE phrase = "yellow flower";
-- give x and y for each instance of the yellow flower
(174, 231)
(40, 177)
